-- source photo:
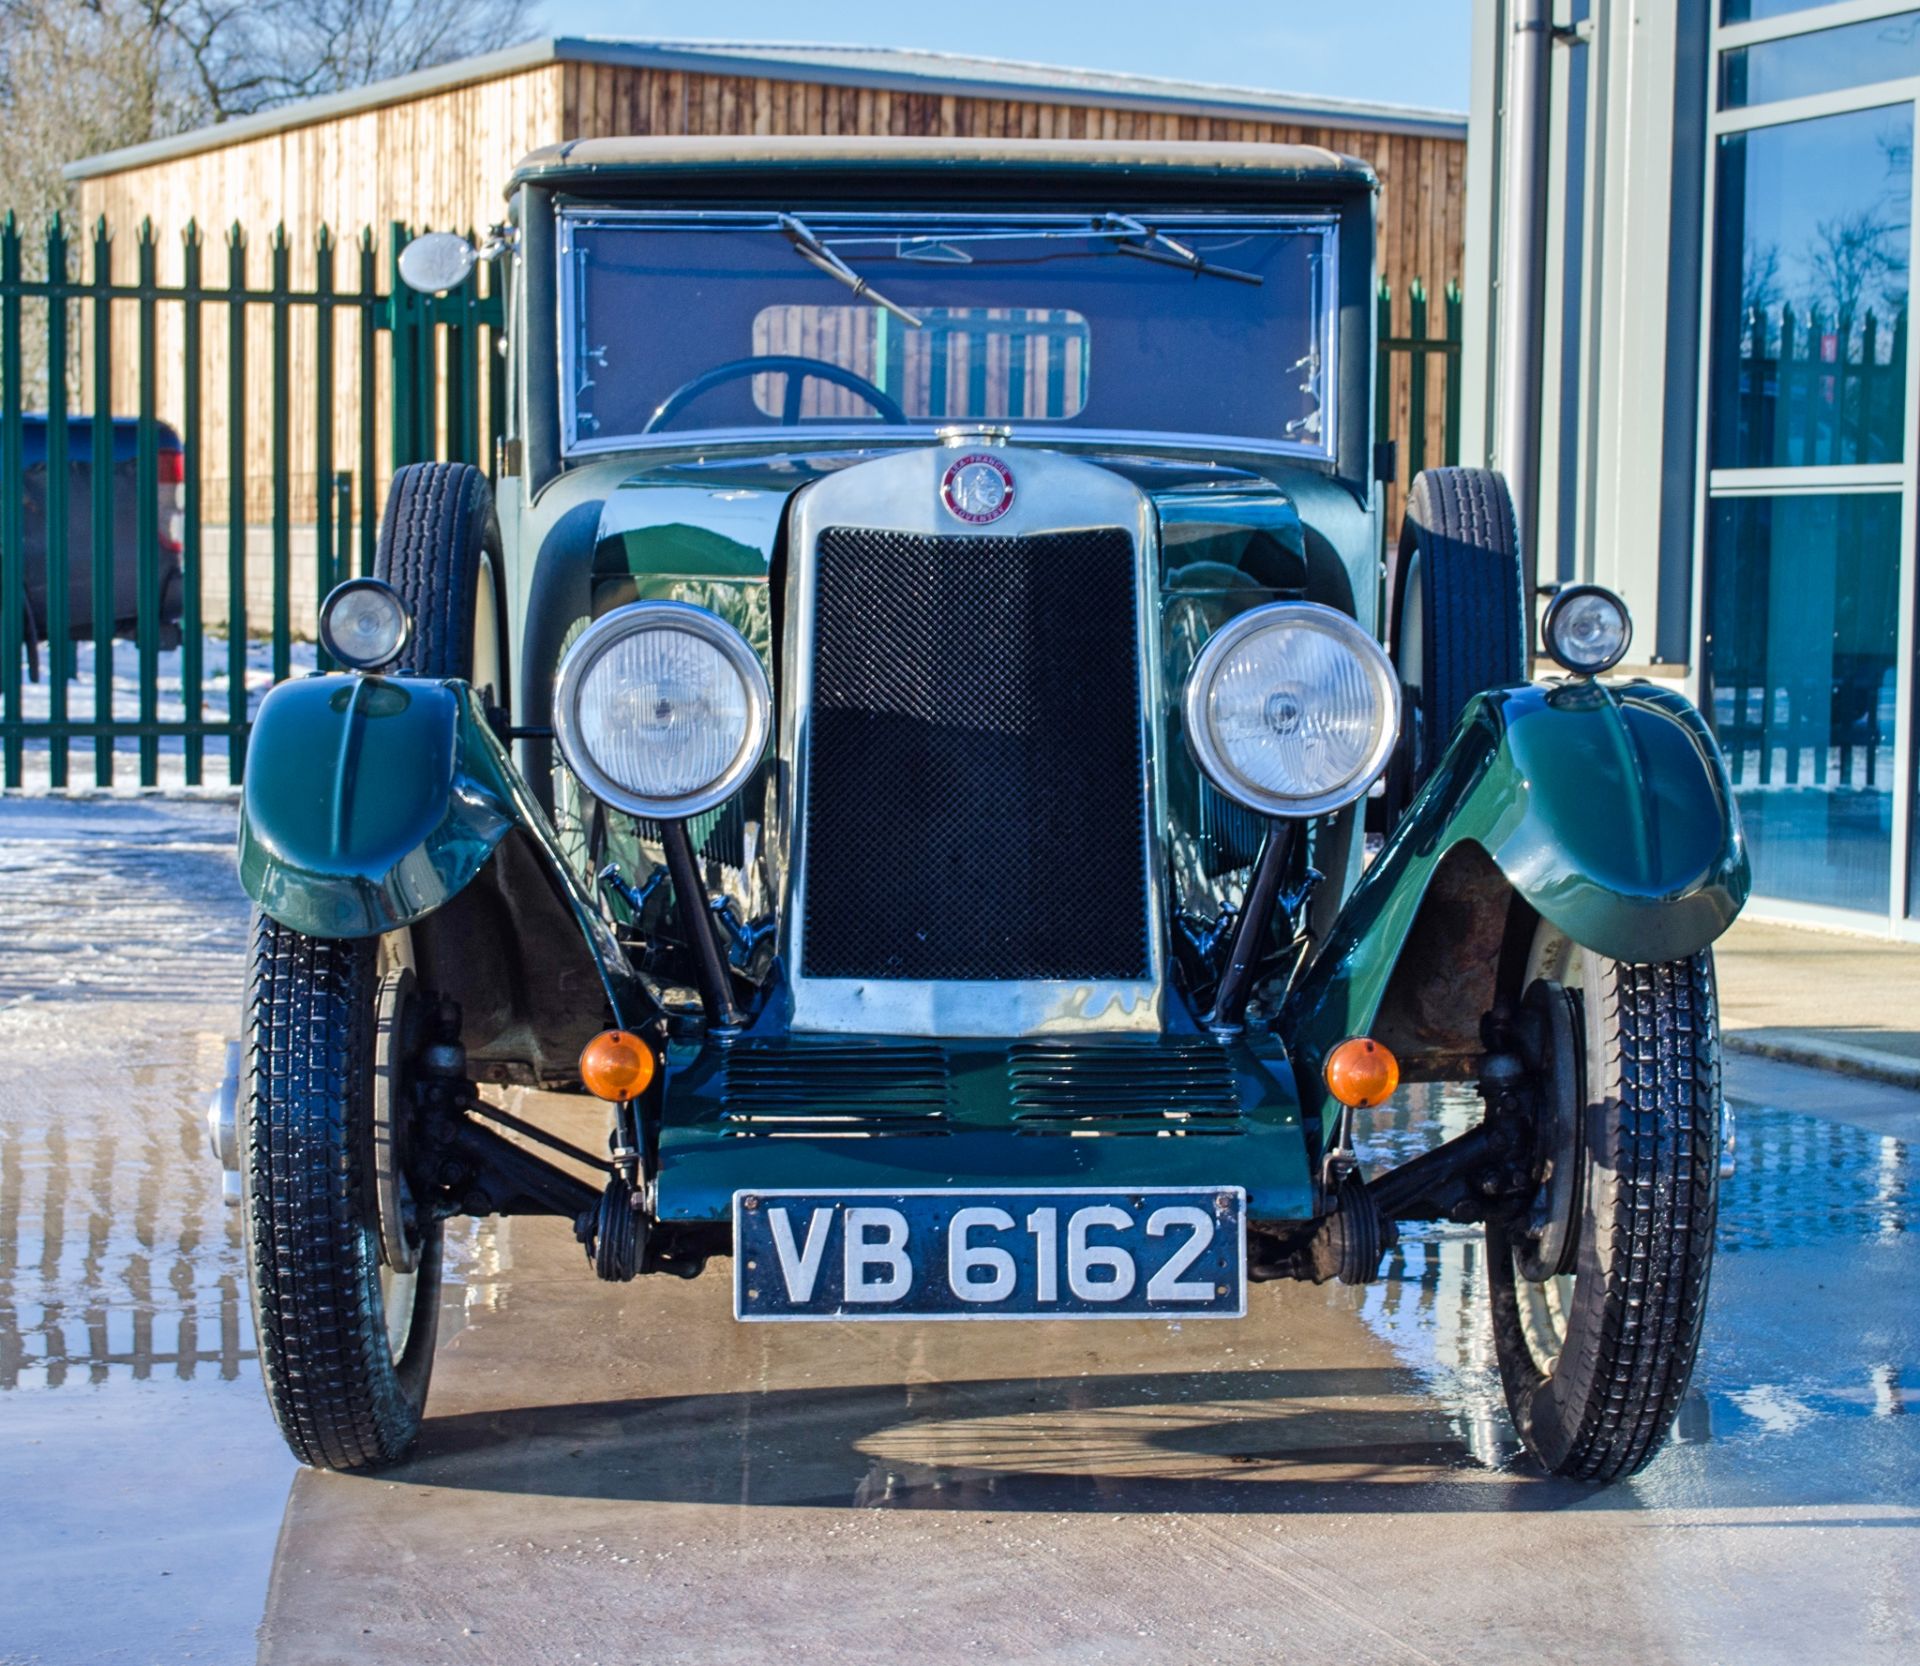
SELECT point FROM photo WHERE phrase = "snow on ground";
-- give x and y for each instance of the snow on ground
(36, 706)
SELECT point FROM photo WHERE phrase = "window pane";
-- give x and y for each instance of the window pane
(1882, 49)
(1024, 362)
(1810, 291)
(1799, 684)
(1752, 11)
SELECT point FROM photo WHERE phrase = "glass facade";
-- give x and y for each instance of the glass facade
(1798, 66)
(1800, 680)
(1810, 291)
(1755, 11)
(1809, 422)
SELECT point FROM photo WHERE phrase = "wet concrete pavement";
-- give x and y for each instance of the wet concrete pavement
(623, 1474)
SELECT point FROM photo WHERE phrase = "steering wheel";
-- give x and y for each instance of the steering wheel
(797, 371)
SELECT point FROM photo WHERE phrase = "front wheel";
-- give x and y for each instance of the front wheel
(345, 1271)
(1597, 1311)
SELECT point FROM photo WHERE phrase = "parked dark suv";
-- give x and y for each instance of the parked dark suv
(125, 542)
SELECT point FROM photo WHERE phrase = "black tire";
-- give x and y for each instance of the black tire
(346, 1390)
(1457, 621)
(1595, 1362)
(440, 549)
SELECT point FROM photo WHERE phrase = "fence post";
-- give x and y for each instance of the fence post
(402, 327)
(236, 502)
(59, 574)
(342, 525)
(16, 622)
(1456, 309)
(324, 578)
(146, 475)
(369, 396)
(101, 480)
(1417, 379)
(193, 610)
(278, 257)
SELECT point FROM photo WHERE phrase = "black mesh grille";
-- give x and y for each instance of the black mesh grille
(975, 803)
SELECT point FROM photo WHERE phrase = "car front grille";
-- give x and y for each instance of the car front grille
(976, 796)
(835, 1089)
(1170, 1087)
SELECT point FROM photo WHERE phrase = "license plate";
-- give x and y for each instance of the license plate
(1177, 1252)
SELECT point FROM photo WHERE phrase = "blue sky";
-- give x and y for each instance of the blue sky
(1397, 51)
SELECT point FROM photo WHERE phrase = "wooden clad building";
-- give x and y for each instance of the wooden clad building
(434, 150)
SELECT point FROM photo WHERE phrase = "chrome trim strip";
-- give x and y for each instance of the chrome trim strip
(901, 493)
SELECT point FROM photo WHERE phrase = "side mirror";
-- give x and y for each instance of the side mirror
(436, 262)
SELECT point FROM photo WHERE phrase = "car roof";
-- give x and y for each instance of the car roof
(603, 163)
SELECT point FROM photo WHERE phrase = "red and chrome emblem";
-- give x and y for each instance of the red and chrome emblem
(977, 488)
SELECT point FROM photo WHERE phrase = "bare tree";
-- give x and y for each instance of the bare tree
(1854, 260)
(78, 77)
(243, 57)
(81, 76)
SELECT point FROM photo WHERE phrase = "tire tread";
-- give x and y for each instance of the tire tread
(329, 1374)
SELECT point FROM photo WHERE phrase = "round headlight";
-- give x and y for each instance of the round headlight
(662, 709)
(1291, 709)
(1588, 629)
(364, 624)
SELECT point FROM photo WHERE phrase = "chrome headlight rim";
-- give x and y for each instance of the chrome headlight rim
(607, 632)
(1211, 757)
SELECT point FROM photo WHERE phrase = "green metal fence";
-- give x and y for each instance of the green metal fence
(99, 334)
(334, 381)
(1416, 388)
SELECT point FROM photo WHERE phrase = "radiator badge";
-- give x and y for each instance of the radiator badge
(977, 488)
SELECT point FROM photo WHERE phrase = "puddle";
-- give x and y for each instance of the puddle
(1818, 1215)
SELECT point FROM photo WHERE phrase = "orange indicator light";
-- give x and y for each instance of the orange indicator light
(1360, 1072)
(616, 1065)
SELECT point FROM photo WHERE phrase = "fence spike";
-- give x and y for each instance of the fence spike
(190, 233)
(145, 234)
(236, 235)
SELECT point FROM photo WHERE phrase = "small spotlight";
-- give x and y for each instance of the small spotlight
(1588, 629)
(364, 624)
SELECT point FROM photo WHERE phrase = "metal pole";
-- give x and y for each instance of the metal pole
(1229, 1013)
(690, 903)
(1523, 265)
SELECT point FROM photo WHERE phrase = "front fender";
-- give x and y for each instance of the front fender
(369, 802)
(373, 803)
(1608, 808)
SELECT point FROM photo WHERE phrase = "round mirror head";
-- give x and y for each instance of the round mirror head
(436, 261)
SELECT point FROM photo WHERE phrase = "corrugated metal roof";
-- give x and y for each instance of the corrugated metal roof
(896, 69)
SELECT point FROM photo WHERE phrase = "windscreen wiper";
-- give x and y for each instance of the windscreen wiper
(1168, 251)
(815, 253)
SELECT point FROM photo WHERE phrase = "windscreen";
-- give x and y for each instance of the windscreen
(1119, 323)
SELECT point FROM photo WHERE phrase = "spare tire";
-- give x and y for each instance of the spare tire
(1456, 614)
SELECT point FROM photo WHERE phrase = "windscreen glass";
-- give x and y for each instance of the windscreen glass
(679, 325)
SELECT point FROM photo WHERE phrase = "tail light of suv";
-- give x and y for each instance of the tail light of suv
(173, 501)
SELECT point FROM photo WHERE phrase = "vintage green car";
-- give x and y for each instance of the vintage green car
(920, 737)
